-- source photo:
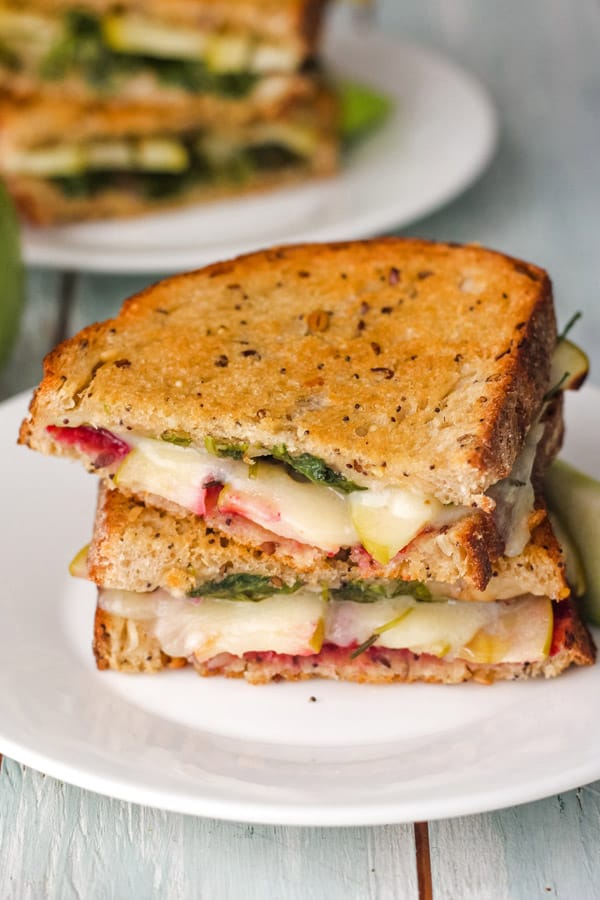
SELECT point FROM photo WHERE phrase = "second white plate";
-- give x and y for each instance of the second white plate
(355, 755)
(439, 139)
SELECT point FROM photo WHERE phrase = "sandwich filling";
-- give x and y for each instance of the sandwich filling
(303, 622)
(164, 165)
(108, 51)
(295, 497)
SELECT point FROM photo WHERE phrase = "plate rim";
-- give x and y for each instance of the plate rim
(41, 249)
(288, 813)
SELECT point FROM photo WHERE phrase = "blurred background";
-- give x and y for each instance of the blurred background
(539, 199)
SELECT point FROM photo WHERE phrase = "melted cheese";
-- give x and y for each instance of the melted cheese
(266, 494)
(511, 631)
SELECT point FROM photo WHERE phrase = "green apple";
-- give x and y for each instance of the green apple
(11, 275)
(575, 497)
(78, 566)
(130, 33)
(388, 520)
(569, 360)
(228, 53)
(362, 109)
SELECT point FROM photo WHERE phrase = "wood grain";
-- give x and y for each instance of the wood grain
(93, 847)
(544, 849)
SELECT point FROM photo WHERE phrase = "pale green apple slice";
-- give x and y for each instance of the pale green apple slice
(228, 52)
(569, 360)
(522, 633)
(78, 566)
(576, 498)
(130, 33)
(46, 162)
(388, 520)
(161, 155)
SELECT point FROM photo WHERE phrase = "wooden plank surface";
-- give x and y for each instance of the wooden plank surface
(58, 842)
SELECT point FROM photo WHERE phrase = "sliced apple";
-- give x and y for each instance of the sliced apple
(130, 33)
(576, 498)
(78, 567)
(388, 520)
(571, 361)
(46, 162)
(522, 633)
(161, 155)
(228, 53)
(310, 513)
(518, 631)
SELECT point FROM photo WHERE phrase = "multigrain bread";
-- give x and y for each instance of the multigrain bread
(137, 547)
(394, 360)
(124, 645)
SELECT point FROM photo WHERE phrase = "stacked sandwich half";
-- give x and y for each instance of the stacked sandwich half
(111, 109)
(324, 460)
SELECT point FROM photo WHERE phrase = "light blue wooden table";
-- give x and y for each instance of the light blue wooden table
(540, 200)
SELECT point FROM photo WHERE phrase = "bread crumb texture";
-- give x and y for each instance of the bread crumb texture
(398, 360)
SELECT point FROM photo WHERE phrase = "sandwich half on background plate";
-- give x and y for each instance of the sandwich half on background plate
(65, 161)
(215, 57)
(117, 109)
(324, 460)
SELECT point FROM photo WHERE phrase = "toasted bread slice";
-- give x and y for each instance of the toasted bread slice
(126, 646)
(138, 547)
(394, 361)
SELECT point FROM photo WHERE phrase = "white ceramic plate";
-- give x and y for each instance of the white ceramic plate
(360, 754)
(439, 139)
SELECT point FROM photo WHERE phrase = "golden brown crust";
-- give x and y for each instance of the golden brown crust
(125, 646)
(427, 366)
(138, 547)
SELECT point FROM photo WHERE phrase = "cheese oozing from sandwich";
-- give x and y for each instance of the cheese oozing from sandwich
(518, 630)
(262, 490)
